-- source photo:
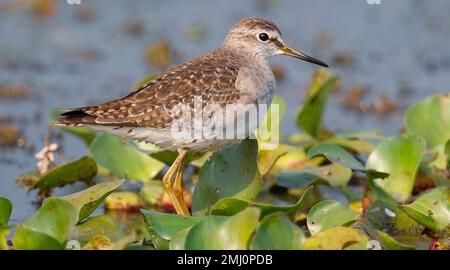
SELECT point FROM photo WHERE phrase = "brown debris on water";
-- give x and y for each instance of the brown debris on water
(14, 91)
(384, 105)
(353, 98)
(10, 136)
(43, 8)
(160, 54)
(84, 14)
(343, 59)
(134, 28)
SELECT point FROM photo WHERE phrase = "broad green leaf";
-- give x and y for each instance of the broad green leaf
(4, 232)
(310, 115)
(391, 243)
(179, 239)
(295, 160)
(232, 172)
(96, 226)
(167, 225)
(431, 209)
(334, 175)
(5, 211)
(277, 232)
(26, 238)
(223, 233)
(391, 220)
(355, 144)
(335, 154)
(125, 201)
(232, 206)
(144, 81)
(124, 160)
(83, 169)
(53, 220)
(86, 201)
(400, 157)
(267, 158)
(328, 214)
(430, 118)
(336, 238)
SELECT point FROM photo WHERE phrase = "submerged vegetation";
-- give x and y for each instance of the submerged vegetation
(317, 190)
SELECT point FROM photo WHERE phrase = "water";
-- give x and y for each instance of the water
(68, 63)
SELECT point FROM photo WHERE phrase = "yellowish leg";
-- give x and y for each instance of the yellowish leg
(178, 186)
(180, 206)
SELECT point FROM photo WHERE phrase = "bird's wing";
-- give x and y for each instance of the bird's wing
(151, 105)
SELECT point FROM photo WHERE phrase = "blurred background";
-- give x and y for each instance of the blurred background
(57, 55)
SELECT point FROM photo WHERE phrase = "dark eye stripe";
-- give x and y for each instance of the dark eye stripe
(277, 43)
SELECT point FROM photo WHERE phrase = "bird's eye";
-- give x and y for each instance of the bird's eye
(263, 37)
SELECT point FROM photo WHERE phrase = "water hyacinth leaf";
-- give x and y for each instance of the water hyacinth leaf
(5, 211)
(231, 172)
(53, 220)
(335, 154)
(83, 169)
(337, 238)
(267, 158)
(86, 201)
(167, 225)
(95, 226)
(232, 206)
(334, 175)
(124, 160)
(310, 115)
(223, 233)
(391, 243)
(268, 133)
(124, 201)
(277, 232)
(400, 157)
(390, 219)
(295, 160)
(430, 118)
(143, 81)
(431, 209)
(355, 144)
(179, 240)
(4, 232)
(328, 214)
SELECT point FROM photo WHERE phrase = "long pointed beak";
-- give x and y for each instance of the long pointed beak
(285, 50)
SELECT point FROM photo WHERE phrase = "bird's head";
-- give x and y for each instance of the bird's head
(262, 39)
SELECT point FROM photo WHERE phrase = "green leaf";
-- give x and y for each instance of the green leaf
(267, 158)
(223, 233)
(430, 118)
(167, 225)
(391, 220)
(232, 172)
(310, 115)
(268, 133)
(4, 232)
(336, 238)
(86, 201)
(431, 209)
(96, 226)
(335, 154)
(277, 232)
(232, 206)
(334, 175)
(5, 211)
(83, 169)
(391, 243)
(143, 81)
(53, 220)
(328, 214)
(124, 160)
(400, 157)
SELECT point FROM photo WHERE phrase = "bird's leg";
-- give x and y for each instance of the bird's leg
(178, 187)
(168, 186)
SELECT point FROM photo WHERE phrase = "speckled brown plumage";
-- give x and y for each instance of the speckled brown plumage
(211, 77)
